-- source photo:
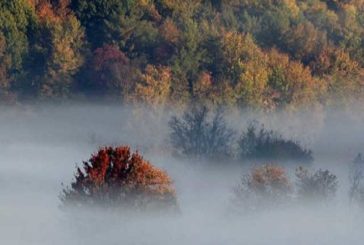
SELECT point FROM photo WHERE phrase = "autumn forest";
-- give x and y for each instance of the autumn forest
(262, 54)
(181, 122)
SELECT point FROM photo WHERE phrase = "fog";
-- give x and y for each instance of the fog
(42, 145)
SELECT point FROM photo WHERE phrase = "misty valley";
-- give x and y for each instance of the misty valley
(181, 122)
(91, 174)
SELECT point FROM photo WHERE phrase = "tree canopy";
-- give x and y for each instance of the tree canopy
(263, 54)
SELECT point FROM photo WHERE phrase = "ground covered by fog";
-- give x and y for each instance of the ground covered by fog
(41, 145)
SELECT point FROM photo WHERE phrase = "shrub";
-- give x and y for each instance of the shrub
(113, 177)
(197, 135)
(320, 185)
(265, 185)
(263, 145)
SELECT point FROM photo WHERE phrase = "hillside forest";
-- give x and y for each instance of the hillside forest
(266, 54)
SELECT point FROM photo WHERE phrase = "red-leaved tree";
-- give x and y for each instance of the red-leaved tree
(116, 177)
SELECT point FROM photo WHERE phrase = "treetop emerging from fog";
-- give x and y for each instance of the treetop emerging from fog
(114, 177)
(261, 54)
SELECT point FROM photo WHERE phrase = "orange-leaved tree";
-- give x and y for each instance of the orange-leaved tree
(116, 177)
(264, 186)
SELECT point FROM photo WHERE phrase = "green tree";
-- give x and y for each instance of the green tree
(187, 61)
(275, 21)
(17, 20)
(101, 18)
(56, 47)
(4, 65)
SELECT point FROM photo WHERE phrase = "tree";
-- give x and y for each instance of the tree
(4, 66)
(65, 54)
(275, 22)
(323, 18)
(196, 135)
(101, 19)
(170, 32)
(246, 65)
(154, 88)
(203, 89)
(291, 84)
(17, 23)
(344, 90)
(118, 178)
(264, 145)
(180, 8)
(318, 186)
(168, 40)
(55, 52)
(265, 186)
(304, 42)
(188, 59)
(109, 73)
(351, 31)
(334, 61)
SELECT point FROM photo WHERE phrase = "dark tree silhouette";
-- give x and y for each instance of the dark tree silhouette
(264, 145)
(320, 185)
(196, 134)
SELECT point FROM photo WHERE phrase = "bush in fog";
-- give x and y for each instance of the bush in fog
(115, 177)
(197, 134)
(320, 185)
(264, 185)
(259, 144)
(356, 192)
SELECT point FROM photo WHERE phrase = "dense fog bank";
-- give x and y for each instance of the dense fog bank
(41, 146)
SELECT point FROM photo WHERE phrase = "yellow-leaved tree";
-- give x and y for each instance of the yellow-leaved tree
(247, 67)
(154, 86)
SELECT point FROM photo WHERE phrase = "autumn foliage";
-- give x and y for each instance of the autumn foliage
(269, 55)
(269, 186)
(264, 185)
(116, 177)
